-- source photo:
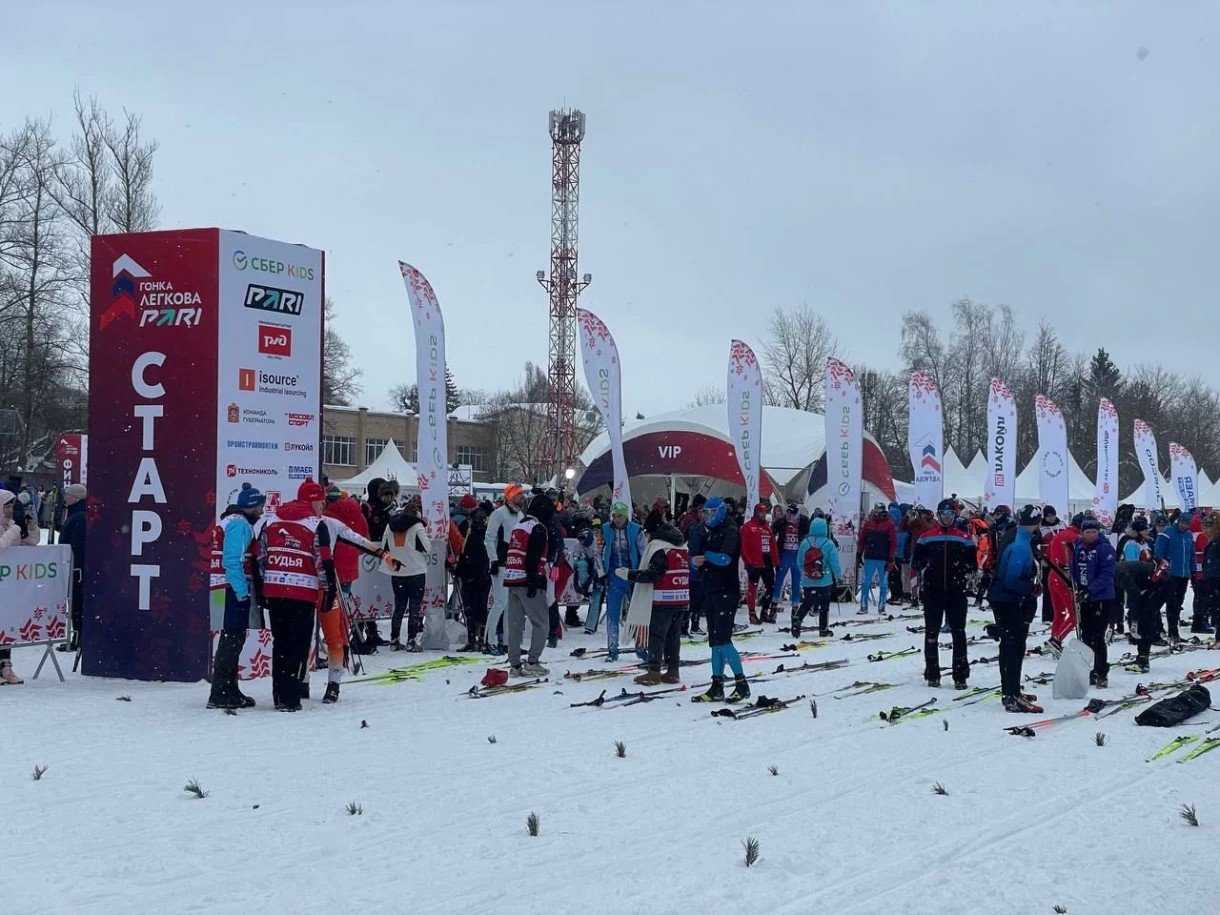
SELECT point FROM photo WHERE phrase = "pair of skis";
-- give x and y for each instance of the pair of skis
(860, 688)
(484, 692)
(1206, 745)
(806, 667)
(890, 655)
(762, 706)
(1093, 710)
(626, 698)
(908, 713)
(415, 671)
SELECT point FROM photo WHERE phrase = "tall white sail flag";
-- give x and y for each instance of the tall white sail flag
(604, 376)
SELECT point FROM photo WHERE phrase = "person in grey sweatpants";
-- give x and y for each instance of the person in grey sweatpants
(526, 572)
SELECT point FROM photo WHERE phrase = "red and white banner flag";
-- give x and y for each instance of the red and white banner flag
(1145, 449)
(1105, 495)
(744, 393)
(604, 376)
(925, 440)
(1052, 455)
(1184, 474)
(844, 457)
(431, 465)
(1000, 488)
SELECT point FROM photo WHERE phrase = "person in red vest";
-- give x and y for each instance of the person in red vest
(336, 626)
(760, 553)
(660, 599)
(527, 569)
(296, 558)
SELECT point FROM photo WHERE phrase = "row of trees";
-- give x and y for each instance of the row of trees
(962, 355)
(54, 194)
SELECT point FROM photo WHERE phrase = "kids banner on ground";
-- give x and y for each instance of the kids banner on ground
(35, 588)
(211, 378)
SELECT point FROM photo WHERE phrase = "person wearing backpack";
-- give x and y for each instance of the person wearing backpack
(1014, 601)
(820, 570)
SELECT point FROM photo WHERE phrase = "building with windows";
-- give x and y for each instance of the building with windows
(353, 437)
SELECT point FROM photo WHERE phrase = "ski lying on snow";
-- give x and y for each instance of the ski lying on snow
(1206, 746)
(867, 688)
(821, 665)
(1173, 746)
(898, 712)
(867, 637)
(761, 706)
(888, 655)
(483, 692)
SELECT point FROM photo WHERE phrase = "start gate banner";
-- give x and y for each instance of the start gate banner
(212, 378)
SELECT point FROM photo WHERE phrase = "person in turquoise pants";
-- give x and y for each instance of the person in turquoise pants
(624, 545)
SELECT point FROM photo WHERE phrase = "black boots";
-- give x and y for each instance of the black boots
(741, 690)
(714, 694)
(225, 693)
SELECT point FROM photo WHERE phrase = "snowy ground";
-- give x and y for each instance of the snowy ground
(849, 825)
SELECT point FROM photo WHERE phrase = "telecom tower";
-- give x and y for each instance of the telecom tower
(567, 129)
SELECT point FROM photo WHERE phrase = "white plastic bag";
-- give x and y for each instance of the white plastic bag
(1072, 672)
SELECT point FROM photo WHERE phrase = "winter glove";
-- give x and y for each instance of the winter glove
(531, 592)
(621, 573)
(243, 604)
(394, 563)
(495, 567)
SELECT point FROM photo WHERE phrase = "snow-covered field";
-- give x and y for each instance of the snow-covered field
(849, 825)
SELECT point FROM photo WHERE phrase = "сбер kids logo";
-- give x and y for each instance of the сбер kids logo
(160, 305)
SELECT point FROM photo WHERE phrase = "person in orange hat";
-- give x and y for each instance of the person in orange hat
(499, 527)
(296, 559)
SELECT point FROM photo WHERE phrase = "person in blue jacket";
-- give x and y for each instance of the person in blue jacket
(1014, 601)
(897, 574)
(818, 556)
(717, 564)
(1094, 563)
(1176, 545)
(238, 576)
(624, 546)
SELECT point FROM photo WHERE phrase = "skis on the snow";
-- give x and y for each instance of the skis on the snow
(1208, 744)
(898, 712)
(1031, 729)
(867, 637)
(1173, 746)
(821, 665)
(890, 655)
(762, 706)
(483, 692)
(867, 687)
(601, 698)
(805, 646)
(413, 671)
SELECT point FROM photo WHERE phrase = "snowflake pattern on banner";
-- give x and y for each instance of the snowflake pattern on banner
(840, 373)
(1106, 408)
(1048, 411)
(741, 357)
(923, 387)
(1000, 392)
(1142, 428)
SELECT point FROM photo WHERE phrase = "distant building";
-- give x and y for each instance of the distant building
(353, 437)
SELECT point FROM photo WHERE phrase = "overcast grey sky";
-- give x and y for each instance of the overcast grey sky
(866, 158)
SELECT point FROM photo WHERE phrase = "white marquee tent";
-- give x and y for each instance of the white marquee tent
(1080, 487)
(390, 465)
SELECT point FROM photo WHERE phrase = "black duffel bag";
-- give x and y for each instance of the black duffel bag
(1176, 709)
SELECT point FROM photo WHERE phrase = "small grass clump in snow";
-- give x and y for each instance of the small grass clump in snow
(353, 809)
(1060, 910)
(491, 738)
(774, 770)
(750, 844)
(620, 749)
(1188, 814)
(1099, 739)
(940, 789)
(193, 787)
(532, 824)
(39, 772)
(813, 707)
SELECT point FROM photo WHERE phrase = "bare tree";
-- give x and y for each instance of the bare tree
(132, 206)
(340, 378)
(884, 404)
(794, 355)
(706, 396)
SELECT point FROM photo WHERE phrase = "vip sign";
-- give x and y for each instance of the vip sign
(189, 348)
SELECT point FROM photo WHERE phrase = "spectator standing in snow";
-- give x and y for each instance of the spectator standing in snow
(234, 572)
(760, 554)
(1051, 525)
(790, 530)
(499, 527)
(1176, 545)
(820, 571)
(527, 570)
(72, 532)
(406, 539)
(875, 552)
(1014, 601)
(10, 535)
(1207, 595)
(1093, 563)
(624, 546)
(474, 573)
(381, 505)
(660, 597)
(336, 625)
(717, 563)
(944, 559)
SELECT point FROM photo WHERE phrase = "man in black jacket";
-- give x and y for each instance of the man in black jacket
(717, 565)
(72, 532)
(945, 558)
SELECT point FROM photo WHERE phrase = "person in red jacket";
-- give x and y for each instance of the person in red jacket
(760, 553)
(336, 626)
(1057, 553)
(296, 559)
(875, 551)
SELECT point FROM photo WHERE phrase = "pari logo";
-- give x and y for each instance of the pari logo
(274, 340)
(243, 261)
(159, 303)
(276, 301)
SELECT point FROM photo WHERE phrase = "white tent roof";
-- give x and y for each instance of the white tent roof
(1210, 497)
(1080, 486)
(1205, 483)
(1168, 493)
(390, 465)
(791, 439)
(958, 480)
(977, 471)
